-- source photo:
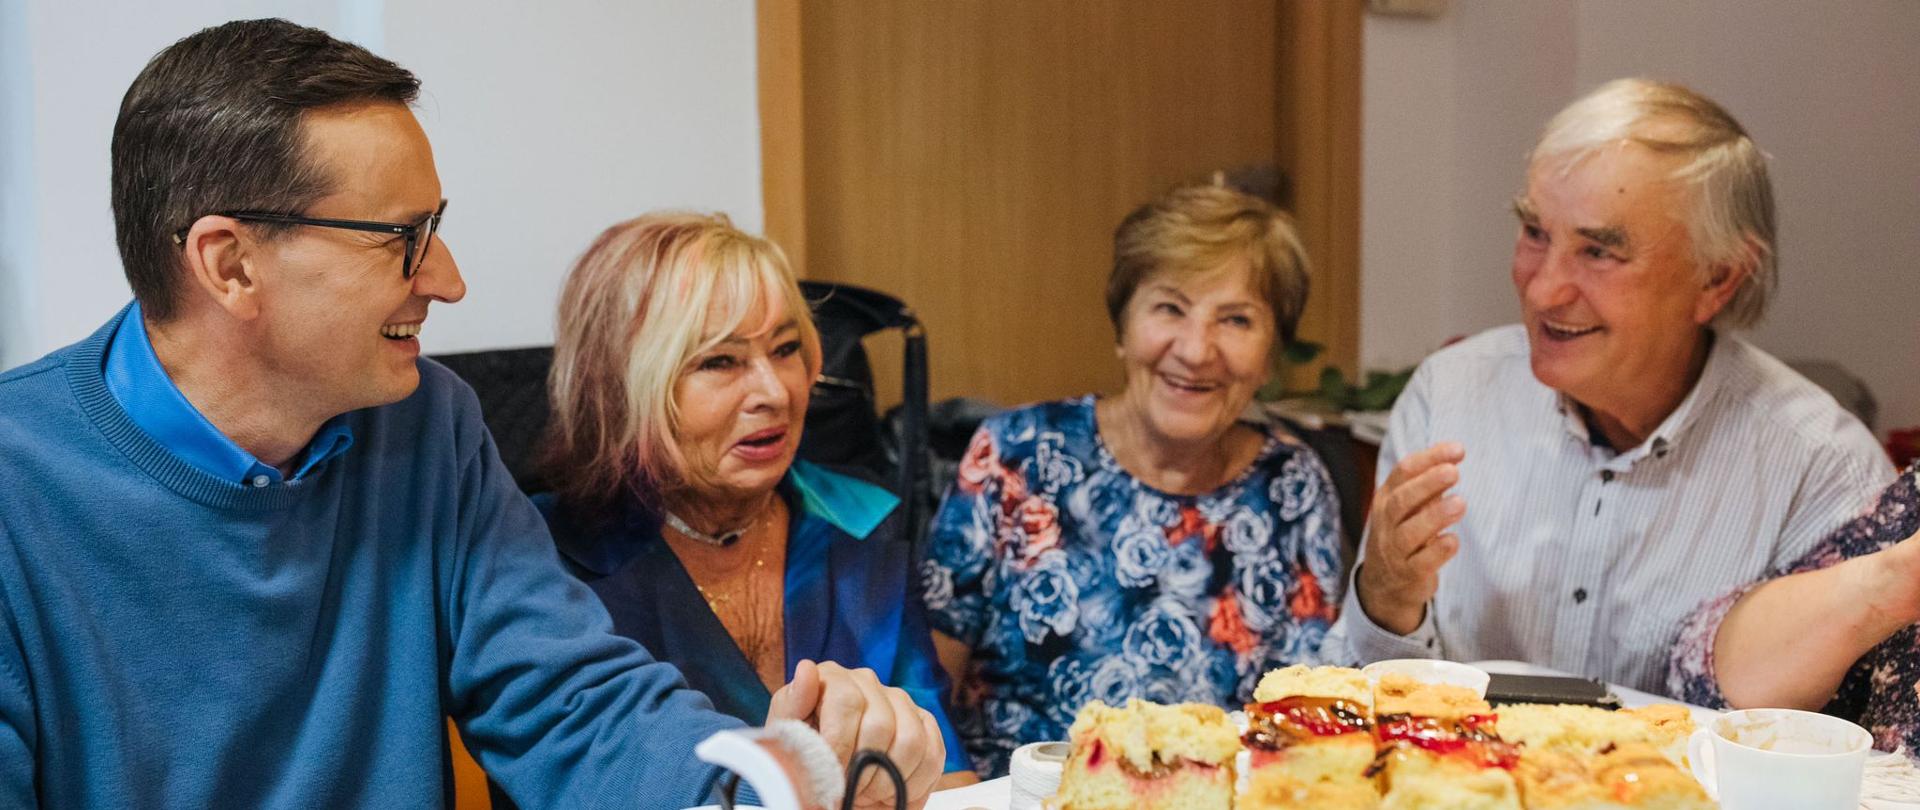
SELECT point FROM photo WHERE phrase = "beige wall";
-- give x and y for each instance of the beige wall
(1830, 90)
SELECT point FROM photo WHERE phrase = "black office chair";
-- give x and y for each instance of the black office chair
(512, 387)
(844, 426)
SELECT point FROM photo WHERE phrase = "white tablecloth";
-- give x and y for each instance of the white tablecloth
(989, 795)
(994, 794)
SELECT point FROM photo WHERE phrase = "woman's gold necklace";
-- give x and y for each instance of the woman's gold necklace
(717, 598)
(714, 597)
(757, 638)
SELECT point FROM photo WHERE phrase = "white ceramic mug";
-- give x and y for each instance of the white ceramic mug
(1762, 759)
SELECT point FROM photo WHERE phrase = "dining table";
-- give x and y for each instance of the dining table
(1891, 783)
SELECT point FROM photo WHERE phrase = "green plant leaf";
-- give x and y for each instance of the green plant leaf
(1381, 390)
(1335, 392)
(1301, 351)
(1334, 388)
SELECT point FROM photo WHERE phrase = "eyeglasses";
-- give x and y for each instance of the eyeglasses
(419, 235)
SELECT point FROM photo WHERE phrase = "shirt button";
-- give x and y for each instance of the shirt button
(260, 481)
(1606, 476)
(1579, 595)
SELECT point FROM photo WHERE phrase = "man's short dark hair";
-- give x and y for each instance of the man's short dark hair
(213, 124)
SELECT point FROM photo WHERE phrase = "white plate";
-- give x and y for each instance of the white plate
(1433, 671)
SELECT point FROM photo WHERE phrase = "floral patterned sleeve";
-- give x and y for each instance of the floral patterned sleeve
(963, 542)
(1690, 672)
(1306, 500)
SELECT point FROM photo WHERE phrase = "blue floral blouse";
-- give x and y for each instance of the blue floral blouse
(1073, 581)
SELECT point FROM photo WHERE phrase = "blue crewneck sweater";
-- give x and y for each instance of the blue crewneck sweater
(172, 639)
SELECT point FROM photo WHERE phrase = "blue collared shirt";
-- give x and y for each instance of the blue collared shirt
(143, 389)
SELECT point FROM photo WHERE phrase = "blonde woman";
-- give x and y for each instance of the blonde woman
(681, 376)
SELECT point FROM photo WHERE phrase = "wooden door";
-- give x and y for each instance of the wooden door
(974, 156)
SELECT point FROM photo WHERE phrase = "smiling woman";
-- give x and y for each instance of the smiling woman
(680, 384)
(1148, 544)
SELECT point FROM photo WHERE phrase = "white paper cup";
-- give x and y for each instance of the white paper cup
(1763, 759)
(1426, 670)
(1035, 774)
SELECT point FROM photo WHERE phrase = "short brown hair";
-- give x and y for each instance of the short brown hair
(1200, 228)
(213, 124)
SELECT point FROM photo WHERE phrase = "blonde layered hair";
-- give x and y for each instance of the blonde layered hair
(1200, 229)
(649, 296)
(1730, 216)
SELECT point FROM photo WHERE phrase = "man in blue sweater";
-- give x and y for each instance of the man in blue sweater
(253, 549)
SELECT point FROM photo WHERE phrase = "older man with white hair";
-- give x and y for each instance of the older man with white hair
(1625, 454)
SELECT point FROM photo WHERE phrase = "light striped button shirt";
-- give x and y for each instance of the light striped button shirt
(1585, 560)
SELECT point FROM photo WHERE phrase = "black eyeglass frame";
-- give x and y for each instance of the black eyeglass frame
(417, 245)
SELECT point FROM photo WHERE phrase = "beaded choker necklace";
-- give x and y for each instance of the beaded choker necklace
(721, 540)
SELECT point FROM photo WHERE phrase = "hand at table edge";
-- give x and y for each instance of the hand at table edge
(852, 711)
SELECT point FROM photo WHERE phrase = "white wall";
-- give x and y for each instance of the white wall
(1830, 90)
(549, 122)
(18, 224)
(1450, 106)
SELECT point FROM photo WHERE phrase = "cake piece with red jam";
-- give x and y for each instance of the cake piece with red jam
(1438, 748)
(1149, 756)
(1309, 740)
